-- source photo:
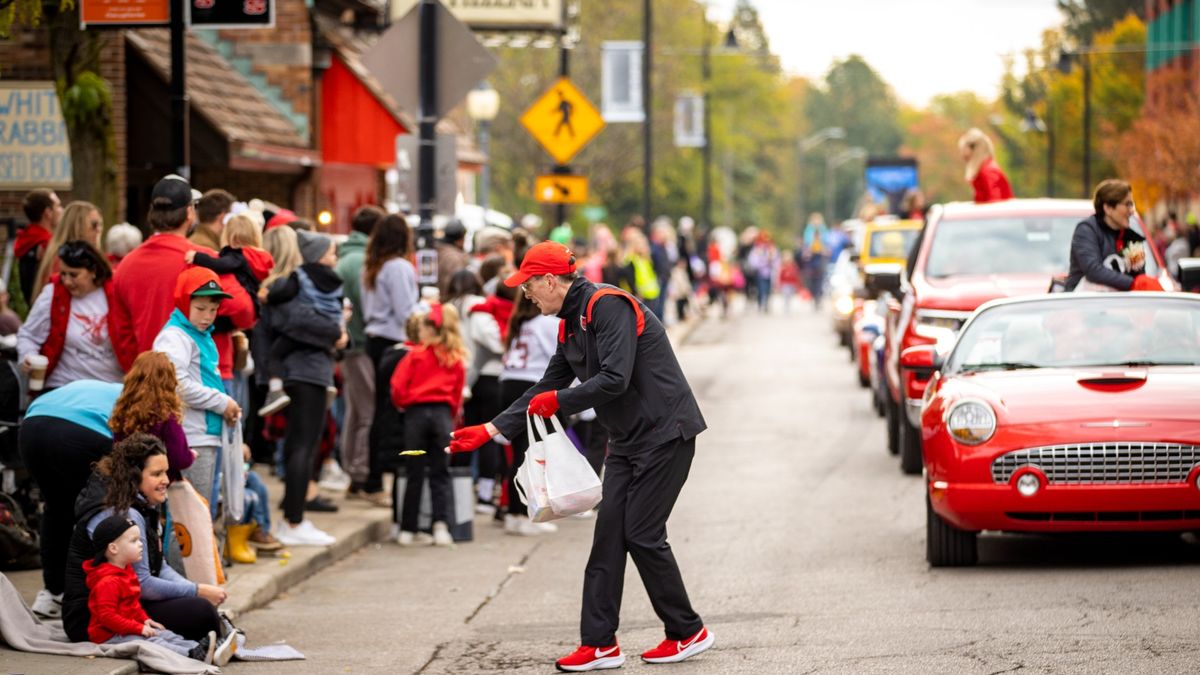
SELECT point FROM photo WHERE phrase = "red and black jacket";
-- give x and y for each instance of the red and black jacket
(627, 371)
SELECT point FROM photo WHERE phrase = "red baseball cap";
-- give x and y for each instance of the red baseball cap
(548, 257)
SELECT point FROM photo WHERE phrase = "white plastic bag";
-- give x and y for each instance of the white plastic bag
(572, 485)
(531, 478)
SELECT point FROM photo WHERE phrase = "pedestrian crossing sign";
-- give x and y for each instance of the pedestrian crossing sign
(563, 120)
(561, 189)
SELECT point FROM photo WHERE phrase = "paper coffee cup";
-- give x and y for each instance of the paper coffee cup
(37, 371)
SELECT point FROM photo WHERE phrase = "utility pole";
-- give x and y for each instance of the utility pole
(564, 70)
(647, 108)
(706, 180)
(180, 142)
(1087, 123)
(427, 68)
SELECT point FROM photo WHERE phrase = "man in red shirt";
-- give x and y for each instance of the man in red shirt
(144, 284)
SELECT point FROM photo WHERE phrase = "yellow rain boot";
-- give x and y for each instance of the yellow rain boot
(236, 543)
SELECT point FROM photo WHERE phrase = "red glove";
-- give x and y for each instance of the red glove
(544, 404)
(468, 439)
(1145, 283)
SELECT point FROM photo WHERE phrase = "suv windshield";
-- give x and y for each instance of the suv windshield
(1118, 330)
(1017, 245)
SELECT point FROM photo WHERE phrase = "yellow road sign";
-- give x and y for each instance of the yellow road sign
(561, 189)
(563, 120)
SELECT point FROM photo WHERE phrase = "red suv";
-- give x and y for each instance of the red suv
(966, 255)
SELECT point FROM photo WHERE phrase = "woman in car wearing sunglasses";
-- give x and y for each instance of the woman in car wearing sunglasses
(68, 323)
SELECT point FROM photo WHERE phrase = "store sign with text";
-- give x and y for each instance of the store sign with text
(497, 14)
(34, 150)
(124, 13)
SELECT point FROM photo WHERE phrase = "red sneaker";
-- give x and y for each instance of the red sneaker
(673, 651)
(591, 658)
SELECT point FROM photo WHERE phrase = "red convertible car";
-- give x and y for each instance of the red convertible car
(1068, 412)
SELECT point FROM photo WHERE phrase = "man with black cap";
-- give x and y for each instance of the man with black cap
(628, 372)
(144, 284)
(451, 256)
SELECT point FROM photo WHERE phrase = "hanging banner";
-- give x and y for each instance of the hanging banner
(34, 150)
(689, 120)
(621, 82)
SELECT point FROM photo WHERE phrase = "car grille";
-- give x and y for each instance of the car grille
(1103, 463)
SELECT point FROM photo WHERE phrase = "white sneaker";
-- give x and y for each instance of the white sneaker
(520, 526)
(441, 534)
(304, 534)
(333, 478)
(585, 515)
(423, 539)
(405, 538)
(546, 527)
(47, 606)
(485, 509)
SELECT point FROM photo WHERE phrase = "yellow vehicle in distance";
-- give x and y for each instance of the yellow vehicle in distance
(888, 241)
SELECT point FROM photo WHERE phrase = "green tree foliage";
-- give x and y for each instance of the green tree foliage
(856, 99)
(931, 136)
(1085, 18)
(753, 112)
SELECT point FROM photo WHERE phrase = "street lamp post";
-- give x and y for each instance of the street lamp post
(803, 148)
(483, 103)
(1031, 122)
(832, 162)
(1064, 66)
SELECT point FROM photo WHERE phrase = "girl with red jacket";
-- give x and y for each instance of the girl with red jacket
(428, 386)
(69, 323)
(990, 183)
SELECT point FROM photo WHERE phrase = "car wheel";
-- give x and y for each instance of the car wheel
(863, 381)
(893, 426)
(877, 402)
(946, 545)
(911, 461)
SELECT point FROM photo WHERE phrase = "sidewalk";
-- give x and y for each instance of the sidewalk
(250, 586)
(355, 525)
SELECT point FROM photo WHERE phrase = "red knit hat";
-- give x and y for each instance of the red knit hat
(547, 257)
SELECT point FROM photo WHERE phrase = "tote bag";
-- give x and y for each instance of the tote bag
(193, 527)
(571, 484)
(531, 478)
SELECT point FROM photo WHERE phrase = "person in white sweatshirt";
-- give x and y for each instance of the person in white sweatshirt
(187, 341)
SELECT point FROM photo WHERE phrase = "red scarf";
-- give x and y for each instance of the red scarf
(30, 238)
(498, 307)
(60, 317)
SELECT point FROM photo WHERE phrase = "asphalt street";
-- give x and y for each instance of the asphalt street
(802, 546)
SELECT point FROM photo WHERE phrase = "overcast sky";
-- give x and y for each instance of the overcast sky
(920, 47)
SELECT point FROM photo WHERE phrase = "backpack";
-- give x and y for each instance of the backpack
(19, 548)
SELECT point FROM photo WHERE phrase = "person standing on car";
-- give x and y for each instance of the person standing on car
(1105, 250)
(983, 173)
(628, 372)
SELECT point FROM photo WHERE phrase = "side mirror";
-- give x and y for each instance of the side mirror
(921, 357)
(882, 278)
(1189, 273)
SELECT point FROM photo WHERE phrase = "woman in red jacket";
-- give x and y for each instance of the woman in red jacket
(69, 324)
(428, 386)
(990, 183)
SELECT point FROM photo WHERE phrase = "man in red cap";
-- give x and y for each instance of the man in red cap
(628, 372)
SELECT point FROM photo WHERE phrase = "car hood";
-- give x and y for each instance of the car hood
(1100, 394)
(968, 292)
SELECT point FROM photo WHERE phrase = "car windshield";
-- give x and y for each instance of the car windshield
(1016, 245)
(892, 243)
(1116, 330)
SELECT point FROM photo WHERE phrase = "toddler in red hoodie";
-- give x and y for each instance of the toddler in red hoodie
(428, 385)
(114, 597)
(242, 255)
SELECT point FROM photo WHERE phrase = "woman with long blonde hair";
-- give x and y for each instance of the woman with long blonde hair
(150, 404)
(80, 221)
(982, 172)
(428, 386)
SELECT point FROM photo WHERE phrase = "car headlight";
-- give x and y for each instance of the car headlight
(844, 305)
(971, 422)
